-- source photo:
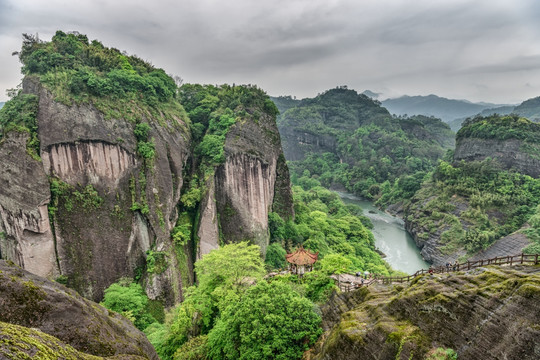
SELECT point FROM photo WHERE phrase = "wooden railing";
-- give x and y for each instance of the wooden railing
(500, 260)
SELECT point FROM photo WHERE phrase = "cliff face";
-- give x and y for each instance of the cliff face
(511, 153)
(100, 240)
(93, 209)
(32, 306)
(253, 181)
(488, 313)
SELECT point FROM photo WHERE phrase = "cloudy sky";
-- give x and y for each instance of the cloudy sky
(476, 50)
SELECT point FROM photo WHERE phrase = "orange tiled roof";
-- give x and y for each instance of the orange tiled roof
(302, 257)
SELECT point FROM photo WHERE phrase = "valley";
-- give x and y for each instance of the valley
(173, 205)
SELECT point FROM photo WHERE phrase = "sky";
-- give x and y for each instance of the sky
(476, 50)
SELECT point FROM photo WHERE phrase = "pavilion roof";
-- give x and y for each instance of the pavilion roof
(302, 257)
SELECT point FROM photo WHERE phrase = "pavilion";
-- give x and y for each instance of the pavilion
(301, 260)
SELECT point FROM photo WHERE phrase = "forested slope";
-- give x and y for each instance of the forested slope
(345, 139)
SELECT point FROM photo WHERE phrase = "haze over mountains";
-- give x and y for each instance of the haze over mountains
(433, 105)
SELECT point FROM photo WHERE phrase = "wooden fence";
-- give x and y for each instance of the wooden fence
(502, 260)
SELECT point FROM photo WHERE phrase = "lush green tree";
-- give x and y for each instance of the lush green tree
(270, 322)
(335, 264)
(129, 299)
(223, 275)
(275, 256)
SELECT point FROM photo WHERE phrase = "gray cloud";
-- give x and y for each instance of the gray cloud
(479, 50)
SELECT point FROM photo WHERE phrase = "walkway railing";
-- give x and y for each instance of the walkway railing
(469, 265)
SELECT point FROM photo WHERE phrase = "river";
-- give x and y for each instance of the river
(390, 237)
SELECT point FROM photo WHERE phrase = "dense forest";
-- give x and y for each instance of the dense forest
(345, 139)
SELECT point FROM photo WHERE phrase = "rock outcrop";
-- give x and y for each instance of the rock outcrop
(510, 153)
(487, 313)
(93, 208)
(32, 306)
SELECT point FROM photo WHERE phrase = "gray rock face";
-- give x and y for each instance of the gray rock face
(98, 243)
(25, 234)
(512, 244)
(298, 142)
(34, 302)
(509, 153)
(246, 185)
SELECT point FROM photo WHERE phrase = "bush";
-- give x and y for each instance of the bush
(128, 299)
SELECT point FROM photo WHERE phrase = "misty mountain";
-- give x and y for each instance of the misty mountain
(372, 94)
(433, 105)
(1, 104)
(529, 109)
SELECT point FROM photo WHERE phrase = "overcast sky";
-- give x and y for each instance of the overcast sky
(476, 50)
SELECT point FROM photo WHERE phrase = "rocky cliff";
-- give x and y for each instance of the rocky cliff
(513, 141)
(513, 154)
(472, 206)
(487, 313)
(33, 307)
(93, 177)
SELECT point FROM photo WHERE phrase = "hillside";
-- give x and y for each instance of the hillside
(433, 105)
(489, 191)
(345, 139)
(486, 313)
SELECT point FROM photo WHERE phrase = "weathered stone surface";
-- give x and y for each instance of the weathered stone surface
(512, 244)
(25, 234)
(34, 302)
(96, 245)
(19, 342)
(507, 152)
(487, 313)
(209, 227)
(246, 183)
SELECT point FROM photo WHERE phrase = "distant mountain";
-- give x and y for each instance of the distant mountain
(455, 124)
(529, 109)
(371, 94)
(1, 104)
(433, 105)
(284, 103)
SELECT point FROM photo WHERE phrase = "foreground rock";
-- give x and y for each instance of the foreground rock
(30, 301)
(488, 313)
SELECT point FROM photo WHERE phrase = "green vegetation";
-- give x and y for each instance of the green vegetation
(129, 299)
(324, 224)
(214, 109)
(473, 204)
(533, 233)
(500, 128)
(360, 146)
(22, 343)
(66, 195)
(213, 321)
(78, 71)
(20, 114)
(442, 354)
(270, 322)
